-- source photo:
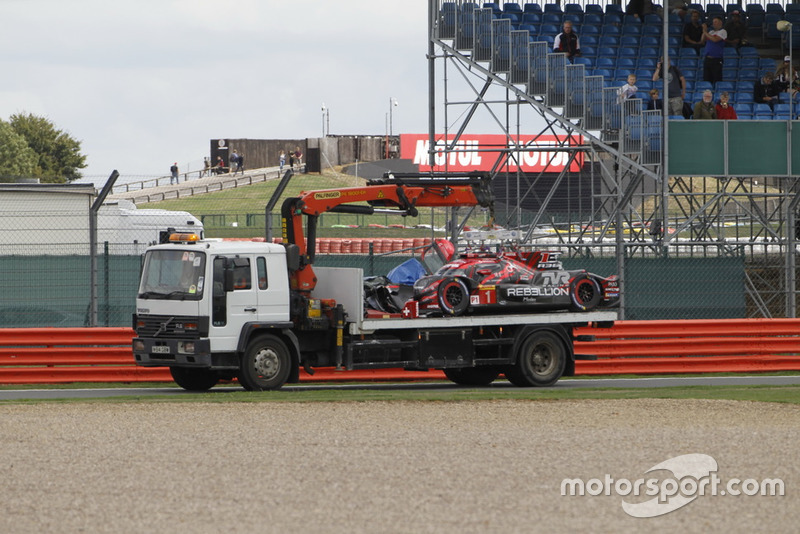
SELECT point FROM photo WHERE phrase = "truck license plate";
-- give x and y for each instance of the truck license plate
(161, 349)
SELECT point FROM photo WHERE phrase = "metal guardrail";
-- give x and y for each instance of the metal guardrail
(63, 355)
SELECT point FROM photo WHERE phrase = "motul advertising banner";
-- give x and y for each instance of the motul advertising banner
(481, 152)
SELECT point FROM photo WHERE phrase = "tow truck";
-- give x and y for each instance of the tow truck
(212, 310)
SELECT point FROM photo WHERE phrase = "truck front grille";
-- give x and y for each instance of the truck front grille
(165, 326)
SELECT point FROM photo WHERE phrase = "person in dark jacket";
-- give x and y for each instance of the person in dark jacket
(765, 91)
(655, 102)
(567, 42)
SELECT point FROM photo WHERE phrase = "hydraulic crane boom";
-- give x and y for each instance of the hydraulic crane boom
(398, 193)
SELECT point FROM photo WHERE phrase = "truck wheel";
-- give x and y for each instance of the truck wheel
(584, 293)
(193, 379)
(472, 376)
(453, 296)
(265, 365)
(541, 360)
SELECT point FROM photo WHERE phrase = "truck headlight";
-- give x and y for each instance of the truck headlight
(186, 347)
(138, 345)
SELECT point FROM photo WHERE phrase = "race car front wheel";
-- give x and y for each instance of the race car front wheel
(453, 296)
(584, 293)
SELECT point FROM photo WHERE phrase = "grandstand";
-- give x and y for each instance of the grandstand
(659, 186)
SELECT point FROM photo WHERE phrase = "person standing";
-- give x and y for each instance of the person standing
(693, 32)
(705, 109)
(239, 164)
(298, 158)
(233, 161)
(715, 44)
(173, 173)
(567, 42)
(725, 110)
(282, 160)
(628, 90)
(736, 30)
(676, 86)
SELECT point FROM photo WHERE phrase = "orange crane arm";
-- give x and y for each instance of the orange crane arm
(401, 194)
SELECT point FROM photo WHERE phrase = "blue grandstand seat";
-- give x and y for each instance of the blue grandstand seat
(688, 52)
(725, 86)
(605, 62)
(647, 63)
(781, 108)
(621, 73)
(730, 63)
(589, 29)
(630, 41)
(589, 51)
(549, 29)
(606, 51)
(687, 63)
(573, 17)
(605, 73)
(573, 8)
(748, 63)
(649, 30)
(610, 41)
(771, 25)
(652, 19)
(551, 18)
(614, 8)
(744, 107)
(650, 52)
(748, 75)
(613, 18)
(531, 17)
(611, 29)
(748, 51)
(650, 40)
(583, 60)
(690, 75)
(766, 64)
(702, 86)
(643, 79)
(730, 8)
(532, 8)
(677, 117)
(593, 18)
(775, 8)
(715, 9)
(730, 51)
(553, 8)
(632, 29)
(730, 75)
(760, 108)
(626, 63)
(532, 29)
(628, 52)
(512, 7)
(594, 8)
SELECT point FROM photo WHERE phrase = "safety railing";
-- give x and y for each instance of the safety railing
(63, 355)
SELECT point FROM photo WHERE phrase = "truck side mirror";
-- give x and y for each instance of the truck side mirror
(292, 257)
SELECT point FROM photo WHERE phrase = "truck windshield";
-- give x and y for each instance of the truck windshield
(173, 274)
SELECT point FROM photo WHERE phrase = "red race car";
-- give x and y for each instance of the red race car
(506, 282)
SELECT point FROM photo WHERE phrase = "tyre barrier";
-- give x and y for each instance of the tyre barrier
(64, 355)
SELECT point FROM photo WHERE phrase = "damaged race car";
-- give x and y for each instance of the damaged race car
(494, 282)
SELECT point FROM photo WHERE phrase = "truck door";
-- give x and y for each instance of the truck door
(232, 309)
(273, 292)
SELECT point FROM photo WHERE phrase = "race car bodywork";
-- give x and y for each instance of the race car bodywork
(504, 282)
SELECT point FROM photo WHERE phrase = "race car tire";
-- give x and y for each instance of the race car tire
(584, 293)
(541, 360)
(453, 296)
(194, 379)
(472, 376)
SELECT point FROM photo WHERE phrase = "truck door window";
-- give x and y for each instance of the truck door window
(219, 298)
(261, 266)
(242, 279)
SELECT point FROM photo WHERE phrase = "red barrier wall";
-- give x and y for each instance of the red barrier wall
(61, 355)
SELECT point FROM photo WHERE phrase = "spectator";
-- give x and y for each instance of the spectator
(640, 8)
(220, 165)
(655, 102)
(678, 7)
(298, 158)
(291, 159)
(173, 174)
(206, 167)
(282, 160)
(705, 108)
(715, 44)
(676, 86)
(725, 110)
(693, 32)
(765, 91)
(567, 42)
(736, 30)
(786, 78)
(239, 164)
(628, 90)
(232, 161)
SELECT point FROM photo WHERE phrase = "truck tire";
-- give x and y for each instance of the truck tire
(541, 360)
(453, 296)
(472, 376)
(584, 293)
(193, 379)
(265, 365)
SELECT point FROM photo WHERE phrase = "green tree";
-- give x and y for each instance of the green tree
(59, 154)
(17, 159)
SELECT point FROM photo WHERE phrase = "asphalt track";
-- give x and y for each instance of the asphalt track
(52, 394)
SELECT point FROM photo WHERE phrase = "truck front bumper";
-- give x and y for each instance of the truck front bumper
(149, 352)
